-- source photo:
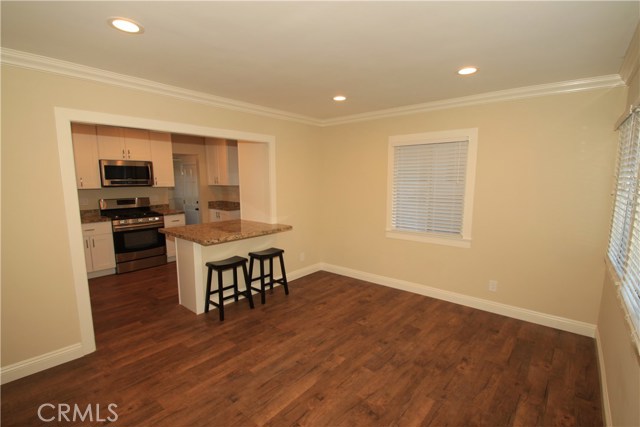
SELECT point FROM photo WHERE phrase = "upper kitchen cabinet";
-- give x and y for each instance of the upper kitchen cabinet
(115, 143)
(222, 161)
(162, 158)
(85, 153)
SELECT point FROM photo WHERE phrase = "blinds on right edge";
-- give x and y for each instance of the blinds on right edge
(624, 241)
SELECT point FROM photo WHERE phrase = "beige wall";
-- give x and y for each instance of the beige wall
(621, 363)
(630, 69)
(39, 313)
(541, 210)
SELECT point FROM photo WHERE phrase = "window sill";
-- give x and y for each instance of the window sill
(437, 239)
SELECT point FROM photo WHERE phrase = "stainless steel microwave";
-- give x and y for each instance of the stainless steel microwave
(126, 173)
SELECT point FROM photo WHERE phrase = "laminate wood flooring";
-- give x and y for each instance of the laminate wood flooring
(335, 352)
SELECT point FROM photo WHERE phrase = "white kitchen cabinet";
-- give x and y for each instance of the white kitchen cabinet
(220, 215)
(222, 161)
(85, 155)
(177, 220)
(116, 143)
(162, 158)
(98, 248)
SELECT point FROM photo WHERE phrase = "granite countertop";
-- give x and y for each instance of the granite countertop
(92, 215)
(165, 210)
(214, 233)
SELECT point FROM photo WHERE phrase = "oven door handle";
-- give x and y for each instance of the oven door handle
(136, 227)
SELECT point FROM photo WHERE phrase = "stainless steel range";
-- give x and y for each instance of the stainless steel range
(138, 243)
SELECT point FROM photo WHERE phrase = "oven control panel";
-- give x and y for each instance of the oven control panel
(145, 220)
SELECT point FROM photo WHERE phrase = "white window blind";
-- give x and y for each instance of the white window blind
(624, 240)
(430, 183)
(429, 187)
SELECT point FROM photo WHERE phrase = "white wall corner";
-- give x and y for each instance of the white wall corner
(305, 271)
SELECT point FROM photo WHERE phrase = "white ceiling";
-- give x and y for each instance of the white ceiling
(295, 56)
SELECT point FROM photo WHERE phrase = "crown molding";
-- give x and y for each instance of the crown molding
(56, 66)
(609, 81)
(42, 63)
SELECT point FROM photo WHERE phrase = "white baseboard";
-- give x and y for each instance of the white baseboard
(564, 324)
(604, 389)
(101, 273)
(40, 363)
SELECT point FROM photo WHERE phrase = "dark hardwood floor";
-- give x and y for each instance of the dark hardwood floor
(335, 352)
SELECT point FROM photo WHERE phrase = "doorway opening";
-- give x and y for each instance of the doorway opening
(186, 192)
(64, 117)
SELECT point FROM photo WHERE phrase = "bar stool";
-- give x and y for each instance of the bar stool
(262, 256)
(232, 263)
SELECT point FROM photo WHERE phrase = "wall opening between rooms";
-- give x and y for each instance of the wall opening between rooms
(258, 149)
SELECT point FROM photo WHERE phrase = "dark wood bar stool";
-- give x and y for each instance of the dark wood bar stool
(221, 266)
(262, 256)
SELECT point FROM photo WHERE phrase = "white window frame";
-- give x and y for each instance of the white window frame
(464, 238)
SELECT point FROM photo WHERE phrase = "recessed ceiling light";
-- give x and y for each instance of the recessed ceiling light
(467, 71)
(126, 25)
(339, 98)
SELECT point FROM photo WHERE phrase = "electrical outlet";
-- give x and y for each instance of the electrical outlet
(493, 285)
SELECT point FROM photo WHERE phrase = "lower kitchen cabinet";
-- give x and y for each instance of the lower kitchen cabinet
(99, 253)
(220, 215)
(177, 220)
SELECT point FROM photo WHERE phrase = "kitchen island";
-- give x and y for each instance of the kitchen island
(200, 243)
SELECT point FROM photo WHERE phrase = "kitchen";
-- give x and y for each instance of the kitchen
(159, 196)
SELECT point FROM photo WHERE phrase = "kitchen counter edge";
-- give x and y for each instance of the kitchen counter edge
(215, 233)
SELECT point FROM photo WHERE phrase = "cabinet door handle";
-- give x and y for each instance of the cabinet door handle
(129, 153)
(123, 156)
(87, 243)
(93, 242)
(90, 229)
(81, 184)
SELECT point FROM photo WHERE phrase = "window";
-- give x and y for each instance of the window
(624, 240)
(430, 186)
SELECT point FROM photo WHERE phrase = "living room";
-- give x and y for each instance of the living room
(542, 202)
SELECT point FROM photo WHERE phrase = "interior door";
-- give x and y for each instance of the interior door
(190, 202)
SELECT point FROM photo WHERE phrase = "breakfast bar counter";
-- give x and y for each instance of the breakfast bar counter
(200, 243)
(214, 233)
